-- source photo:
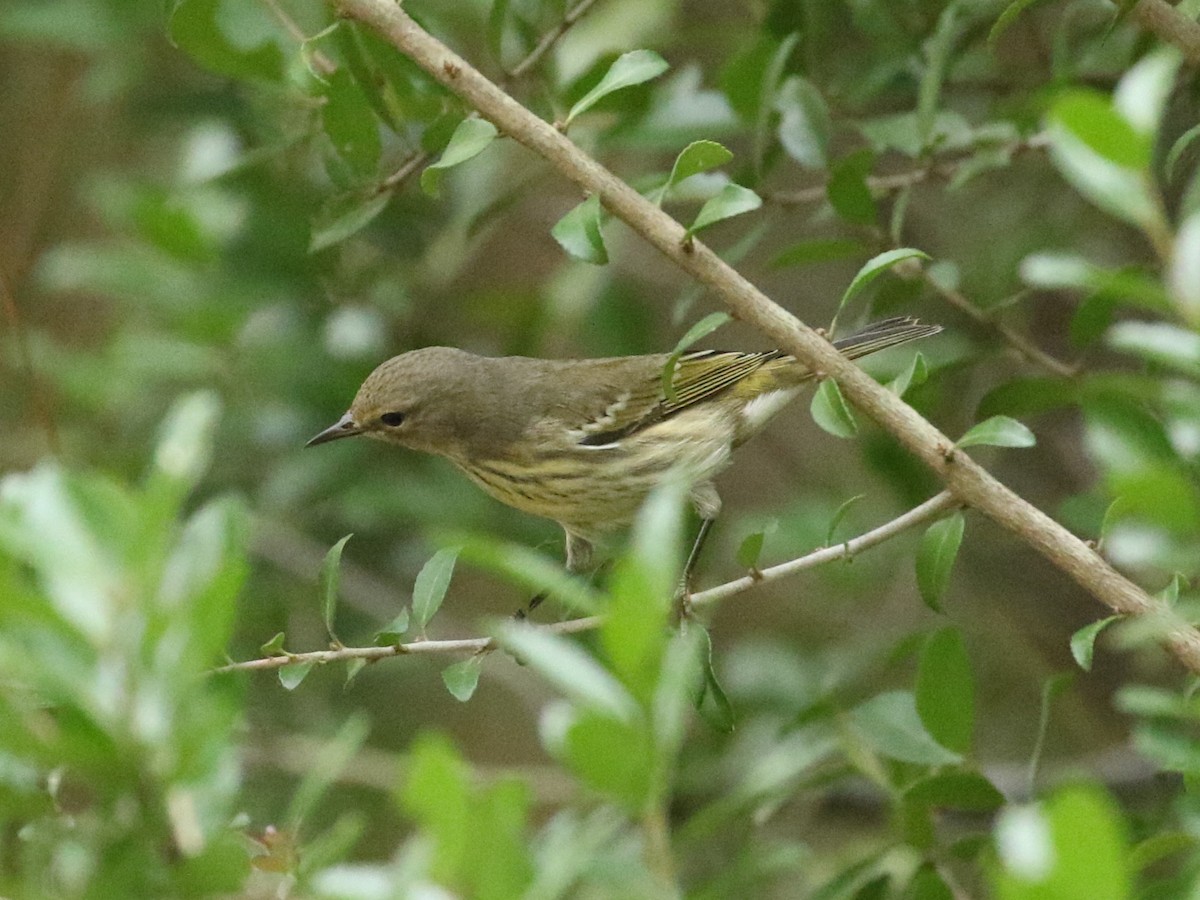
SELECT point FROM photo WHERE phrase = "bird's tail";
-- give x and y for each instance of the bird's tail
(883, 334)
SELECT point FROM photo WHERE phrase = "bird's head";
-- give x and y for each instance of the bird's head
(413, 400)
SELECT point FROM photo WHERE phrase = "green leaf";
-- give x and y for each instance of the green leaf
(470, 138)
(197, 27)
(185, 442)
(732, 200)
(462, 678)
(569, 668)
(872, 269)
(713, 704)
(393, 633)
(838, 515)
(1181, 145)
(291, 675)
(804, 124)
(675, 693)
(890, 726)
(273, 647)
(847, 188)
(1158, 847)
(612, 755)
(816, 251)
(699, 331)
(1051, 688)
(1083, 641)
(353, 667)
(967, 791)
(946, 691)
(696, 157)
(329, 583)
(1006, 18)
(915, 375)
(1091, 118)
(928, 884)
(937, 50)
(634, 633)
(998, 431)
(1073, 845)
(350, 123)
(1184, 273)
(1024, 396)
(437, 794)
(370, 81)
(750, 549)
(1159, 342)
(1143, 91)
(345, 221)
(632, 68)
(430, 586)
(935, 558)
(830, 410)
(324, 768)
(1119, 190)
(578, 232)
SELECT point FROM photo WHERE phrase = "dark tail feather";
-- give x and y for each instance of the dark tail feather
(883, 334)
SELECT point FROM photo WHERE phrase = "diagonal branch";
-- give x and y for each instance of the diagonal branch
(931, 509)
(969, 482)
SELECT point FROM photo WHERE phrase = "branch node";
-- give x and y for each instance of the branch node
(688, 245)
(948, 452)
(451, 69)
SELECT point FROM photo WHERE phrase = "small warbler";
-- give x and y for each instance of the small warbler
(583, 441)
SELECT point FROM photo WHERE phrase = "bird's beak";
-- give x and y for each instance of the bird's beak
(342, 428)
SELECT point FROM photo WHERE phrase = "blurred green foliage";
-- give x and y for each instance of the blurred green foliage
(221, 214)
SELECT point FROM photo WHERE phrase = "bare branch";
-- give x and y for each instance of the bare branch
(550, 38)
(931, 509)
(970, 482)
(939, 169)
(402, 174)
(927, 511)
(1019, 342)
(458, 647)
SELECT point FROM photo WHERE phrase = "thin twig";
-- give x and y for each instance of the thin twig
(927, 511)
(323, 64)
(969, 481)
(1171, 26)
(931, 509)
(415, 162)
(941, 169)
(1014, 338)
(550, 38)
(402, 174)
(457, 647)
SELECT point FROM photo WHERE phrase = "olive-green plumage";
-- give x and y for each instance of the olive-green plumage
(584, 441)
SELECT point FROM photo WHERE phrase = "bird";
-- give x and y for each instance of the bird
(584, 441)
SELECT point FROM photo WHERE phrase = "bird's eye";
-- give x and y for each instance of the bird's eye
(392, 419)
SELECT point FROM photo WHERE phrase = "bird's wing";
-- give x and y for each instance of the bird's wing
(698, 376)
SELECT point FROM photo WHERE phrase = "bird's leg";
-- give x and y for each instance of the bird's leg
(707, 503)
(579, 557)
(689, 568)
